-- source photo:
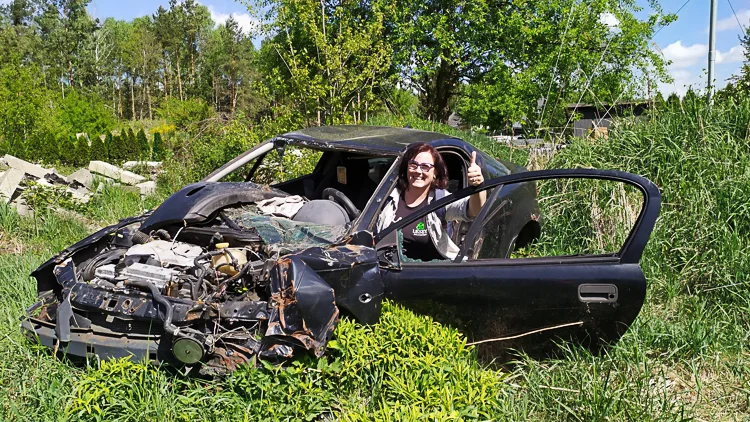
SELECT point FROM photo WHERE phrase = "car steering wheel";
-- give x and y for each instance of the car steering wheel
(338, 197)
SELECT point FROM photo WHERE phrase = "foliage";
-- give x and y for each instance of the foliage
(82, 152)
(98, 150)
(41, 198)
(82, 113)
(67, 151)
(183, 113)
(328, 60)
(158, 147)
(561, 51)
(143, 146)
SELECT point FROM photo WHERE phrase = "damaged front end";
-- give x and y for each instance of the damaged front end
(211, 293)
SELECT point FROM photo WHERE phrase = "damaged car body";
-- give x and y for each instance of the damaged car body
(223, 273)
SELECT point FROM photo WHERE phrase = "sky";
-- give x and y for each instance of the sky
(684, 42)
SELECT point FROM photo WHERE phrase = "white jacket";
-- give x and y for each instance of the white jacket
(455, 211)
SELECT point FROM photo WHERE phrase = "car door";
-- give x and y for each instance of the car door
(560, 277)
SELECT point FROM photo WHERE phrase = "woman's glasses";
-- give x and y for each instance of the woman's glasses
(425, 167)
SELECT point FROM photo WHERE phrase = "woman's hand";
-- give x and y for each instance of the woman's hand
(475, 172)
(476, 201)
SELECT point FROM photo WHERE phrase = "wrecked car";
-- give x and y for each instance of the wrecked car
(223, 273)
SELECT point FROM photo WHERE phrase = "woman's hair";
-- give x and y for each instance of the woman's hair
(441, 171)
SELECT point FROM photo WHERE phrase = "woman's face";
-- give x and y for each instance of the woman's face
(417, 171)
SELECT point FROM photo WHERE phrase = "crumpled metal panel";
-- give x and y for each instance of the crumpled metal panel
(303, 310)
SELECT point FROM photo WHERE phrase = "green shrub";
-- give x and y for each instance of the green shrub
(118, 150)
(158, 147)
(183, 113)
(67, 148)
(99, 148)
(85, 113)
(143, 146)
(133, 150)
(82, 152)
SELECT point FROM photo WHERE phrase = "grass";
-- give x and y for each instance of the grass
(685, 358)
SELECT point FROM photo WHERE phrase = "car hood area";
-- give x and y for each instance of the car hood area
(215, 277)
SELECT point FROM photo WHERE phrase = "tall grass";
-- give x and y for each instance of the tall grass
(686, 357)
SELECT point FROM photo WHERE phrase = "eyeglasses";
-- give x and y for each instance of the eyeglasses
(425, 167)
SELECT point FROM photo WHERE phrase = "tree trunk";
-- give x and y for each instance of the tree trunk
(166, 71)
(438, 92)
(179, 79)
(148, 96)
(132, 98)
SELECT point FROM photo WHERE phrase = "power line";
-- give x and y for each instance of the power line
(676, 13)
(735, 16)
(554, 72)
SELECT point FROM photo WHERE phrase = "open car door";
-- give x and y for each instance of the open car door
(551, 254)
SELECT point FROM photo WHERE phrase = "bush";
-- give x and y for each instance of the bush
(67, 149)
(99, 148)
(118, 150)
(82, 152)
(143, 147)
(85, 113)
(183, 113)
(158, 147)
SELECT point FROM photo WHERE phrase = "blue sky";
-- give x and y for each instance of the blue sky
(685, 42)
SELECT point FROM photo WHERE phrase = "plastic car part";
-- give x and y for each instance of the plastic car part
(322, 211)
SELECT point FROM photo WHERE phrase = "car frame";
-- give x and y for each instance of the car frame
(307, 288)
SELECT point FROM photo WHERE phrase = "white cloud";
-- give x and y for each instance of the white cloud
(247, 23)
(609, 19)
(735, 54)
(684, 56)
(730, 23)
(683, 80)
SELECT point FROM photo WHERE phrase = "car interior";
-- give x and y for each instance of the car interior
(355, 176)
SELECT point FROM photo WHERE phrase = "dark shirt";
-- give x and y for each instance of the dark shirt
(417, 242)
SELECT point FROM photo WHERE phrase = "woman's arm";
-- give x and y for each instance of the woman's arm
(476, 201)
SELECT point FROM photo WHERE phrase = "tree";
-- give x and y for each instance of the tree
(118, 149)
(67, 149)
(82, 152)
(158, 147)
(98, 149)
(673, 102)
(66, 30)
(330, 60)
(558, 52)
(143, 146)
(741, 82)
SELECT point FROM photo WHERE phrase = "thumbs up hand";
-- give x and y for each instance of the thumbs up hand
(474, 172)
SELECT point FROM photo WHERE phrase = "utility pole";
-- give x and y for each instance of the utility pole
(711, 51)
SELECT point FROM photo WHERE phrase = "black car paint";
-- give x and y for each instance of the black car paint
(524, 295)
(532, 293)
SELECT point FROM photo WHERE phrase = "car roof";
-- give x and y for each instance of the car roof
(372, 139)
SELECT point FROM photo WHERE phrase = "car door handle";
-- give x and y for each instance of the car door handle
(597, 293)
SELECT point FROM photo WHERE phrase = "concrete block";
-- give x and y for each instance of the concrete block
(149, 164)
(114, 172)
(82, 176)
(81, 195)
(147, 188)
(22, 209)
(9, 183)
(26, 167)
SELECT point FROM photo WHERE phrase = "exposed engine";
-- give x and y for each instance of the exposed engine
(210, 293)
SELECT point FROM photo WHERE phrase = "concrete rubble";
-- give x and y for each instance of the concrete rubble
(116, 173)
(15, 173)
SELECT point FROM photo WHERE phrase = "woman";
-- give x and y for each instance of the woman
(422, 177)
